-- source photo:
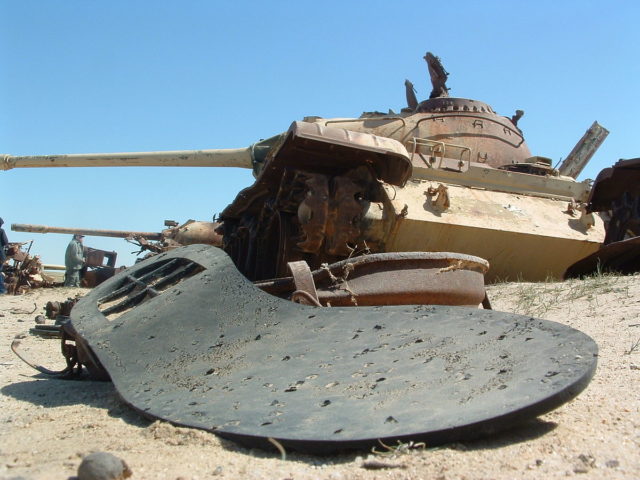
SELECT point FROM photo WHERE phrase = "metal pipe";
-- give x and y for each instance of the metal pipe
(48, 266)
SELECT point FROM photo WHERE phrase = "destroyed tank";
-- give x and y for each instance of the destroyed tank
(189, 233)
(444, 175)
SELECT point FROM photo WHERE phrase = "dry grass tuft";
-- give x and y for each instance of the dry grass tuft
(536, 299)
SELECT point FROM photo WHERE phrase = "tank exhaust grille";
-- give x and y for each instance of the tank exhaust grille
(145, 284)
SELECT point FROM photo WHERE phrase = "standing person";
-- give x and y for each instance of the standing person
(4, 242)
(73, 261)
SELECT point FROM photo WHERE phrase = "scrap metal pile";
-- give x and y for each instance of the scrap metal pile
(100, 265)
(24, 271)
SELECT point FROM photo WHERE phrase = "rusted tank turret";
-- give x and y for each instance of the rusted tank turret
(444, 174)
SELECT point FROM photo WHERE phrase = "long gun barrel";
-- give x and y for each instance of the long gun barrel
(233, 157)
(20, 227)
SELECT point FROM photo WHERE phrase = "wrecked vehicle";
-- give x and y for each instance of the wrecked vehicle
(176, 235)
(616, 194)
(101, 264)
(445, 174)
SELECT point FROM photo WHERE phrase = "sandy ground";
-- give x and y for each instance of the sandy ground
(47, 425)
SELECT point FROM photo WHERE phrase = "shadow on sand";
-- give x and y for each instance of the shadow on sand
(52, 392)
(48, 392)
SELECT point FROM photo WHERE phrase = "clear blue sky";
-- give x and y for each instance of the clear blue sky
(88, 76)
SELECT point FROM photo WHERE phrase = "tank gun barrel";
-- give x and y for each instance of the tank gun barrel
(19, 227)
(233, 157)
(583, 151)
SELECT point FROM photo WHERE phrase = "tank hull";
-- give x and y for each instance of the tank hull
(327, 210)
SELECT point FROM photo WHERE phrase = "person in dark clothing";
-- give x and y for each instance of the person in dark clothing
(4, 242)
(74, 261)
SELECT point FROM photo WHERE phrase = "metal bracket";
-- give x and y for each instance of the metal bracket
(305, 292)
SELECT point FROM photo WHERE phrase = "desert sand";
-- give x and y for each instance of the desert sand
(47, 425)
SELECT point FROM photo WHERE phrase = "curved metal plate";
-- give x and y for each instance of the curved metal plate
(214, 352)
(392, 278)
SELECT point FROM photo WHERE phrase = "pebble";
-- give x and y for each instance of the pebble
(40, 319)
(103, 466)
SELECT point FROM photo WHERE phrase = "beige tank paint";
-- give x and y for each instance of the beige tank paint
(49, 266)
(512, 256)
(521, 236)
(477, 176)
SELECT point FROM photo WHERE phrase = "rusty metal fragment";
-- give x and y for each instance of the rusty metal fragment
(24, 271)
(54, 309)
(438, 76)
(439, 197)
(98, 266)
(305, 288)
(409, 278)
(75, 350)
